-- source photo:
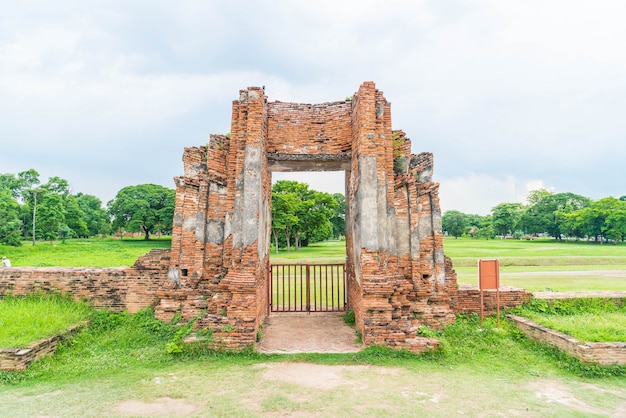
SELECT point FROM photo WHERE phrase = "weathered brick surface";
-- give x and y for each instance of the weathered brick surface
(398, 277)
(117, 289)
(468, 299)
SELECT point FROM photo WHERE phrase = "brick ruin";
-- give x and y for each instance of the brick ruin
(398, 276)
(217, 269)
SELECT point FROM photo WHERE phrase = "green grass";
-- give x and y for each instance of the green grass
(121, 357)
(542, 264)
(591, 319)
(24, 320)
(92, 252)
(319, 252)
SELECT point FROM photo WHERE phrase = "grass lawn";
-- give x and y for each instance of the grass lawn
(320, 252)
(543, 264)
(91, 252)
(24, 320)
(591, 319)
(119, 366)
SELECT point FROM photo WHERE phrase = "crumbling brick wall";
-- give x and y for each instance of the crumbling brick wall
(399, 279)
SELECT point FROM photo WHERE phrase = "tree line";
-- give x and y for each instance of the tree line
(301, 216)
(558, 215)
(30, 209)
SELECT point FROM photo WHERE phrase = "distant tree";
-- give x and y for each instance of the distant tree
(75, 218)
(95, 216)
(284, 208)
(148, 208)
(10, 223)
(50, 215)
(57, 185)
(506, 216)
(545, 211)
(20, 186)
(485, 228)
(300, 214)
(338, 219)
(315, 217)
(602, 219)
(454, 222)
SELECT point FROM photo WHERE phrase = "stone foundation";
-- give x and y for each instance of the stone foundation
(16, 359)
(606, 354)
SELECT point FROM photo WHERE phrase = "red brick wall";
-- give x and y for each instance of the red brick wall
(468, 299)
(296, 128)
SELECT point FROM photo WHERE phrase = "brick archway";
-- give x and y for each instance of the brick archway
(399, 278)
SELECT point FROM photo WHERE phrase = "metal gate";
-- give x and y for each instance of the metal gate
(307, 288)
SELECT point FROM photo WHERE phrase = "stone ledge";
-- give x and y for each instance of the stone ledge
(606, 354)
(18, 359)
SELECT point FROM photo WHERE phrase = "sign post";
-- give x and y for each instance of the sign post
(489, 279)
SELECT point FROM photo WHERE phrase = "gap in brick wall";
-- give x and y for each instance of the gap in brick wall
(322, 181)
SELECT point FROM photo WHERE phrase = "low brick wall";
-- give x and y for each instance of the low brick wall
(602, 353)
(15, 359)
(117, 289)
(468, 299)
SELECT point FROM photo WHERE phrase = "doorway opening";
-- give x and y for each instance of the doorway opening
(307, 271)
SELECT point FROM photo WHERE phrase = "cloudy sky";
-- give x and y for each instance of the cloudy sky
(509, 95)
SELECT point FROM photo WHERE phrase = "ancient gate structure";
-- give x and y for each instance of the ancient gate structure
(398, 276)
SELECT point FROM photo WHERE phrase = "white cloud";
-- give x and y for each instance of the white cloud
(477, 193)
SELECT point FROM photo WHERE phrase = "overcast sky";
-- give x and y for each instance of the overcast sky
(509, 95)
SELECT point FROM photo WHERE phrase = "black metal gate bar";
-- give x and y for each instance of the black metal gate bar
(307, 288)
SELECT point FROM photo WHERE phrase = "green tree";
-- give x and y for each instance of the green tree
(10, 223)
(314, 221)
(75, 218)
(284, 208)
(602, 219)
(50, 215)
(301, 215)
(485, 228)
(148, 208)
(338, 219)
(506, 216)
(545, 211)
(454, 222)
(95, 216)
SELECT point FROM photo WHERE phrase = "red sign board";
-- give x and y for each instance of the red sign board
(489, 274)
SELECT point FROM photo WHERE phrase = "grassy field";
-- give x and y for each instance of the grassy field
(27, 319)
(120, 366)
(543, 264)
(588, 319)
(92, 252)
(326, 252)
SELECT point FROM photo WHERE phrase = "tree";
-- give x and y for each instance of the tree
(506, 216)
(284, 208)
(454, 222)
(148, 208)
(603, 219)
(95, 216)
(301, 215)
(485, 228)
(546, 210)
(10, 224)
(50, 215)
(338, 219)
(75, 218)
